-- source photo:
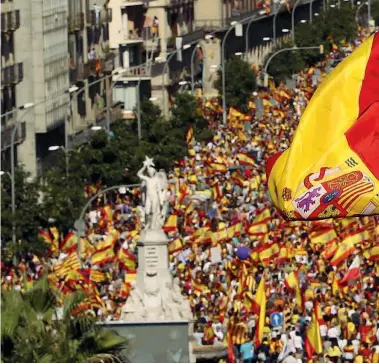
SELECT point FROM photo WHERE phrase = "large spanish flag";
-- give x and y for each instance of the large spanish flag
(331, 169)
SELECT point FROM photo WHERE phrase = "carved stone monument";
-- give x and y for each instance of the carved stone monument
(156, 296)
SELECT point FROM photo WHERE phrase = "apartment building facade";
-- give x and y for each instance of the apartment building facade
(144, 33)
(52, 45)
(40, 46)
(11, 76)
(90, 59)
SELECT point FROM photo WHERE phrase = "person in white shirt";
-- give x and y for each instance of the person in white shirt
(334, 332)
(93, 217)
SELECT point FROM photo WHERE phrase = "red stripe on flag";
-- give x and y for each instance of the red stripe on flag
(370, 85)
(363, 136)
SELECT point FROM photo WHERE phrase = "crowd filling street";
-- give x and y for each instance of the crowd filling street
(226, 239)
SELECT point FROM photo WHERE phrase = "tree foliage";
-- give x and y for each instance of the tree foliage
(28, 214)
(105, 160)
(285, 64)
(35, 331)
(331, 27)
(240, 83)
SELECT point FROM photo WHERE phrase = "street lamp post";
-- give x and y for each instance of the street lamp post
(368, 4)
(139, 109)
(310, 10)
(232, 27)
(77, 91)
(56, 147)
(80, 225)
(27, 107)
(193, 69)
(274, 24)
(293, 20)
(289, 50)
(165, 69)
(247, 36)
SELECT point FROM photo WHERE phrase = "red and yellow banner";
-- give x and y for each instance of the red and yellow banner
(336, 175)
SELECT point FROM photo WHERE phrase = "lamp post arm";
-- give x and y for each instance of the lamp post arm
(285, 50)
(247, 37)
(93, 198)
(223, 71)
(293, 20)
(274, 24)
(13, 188)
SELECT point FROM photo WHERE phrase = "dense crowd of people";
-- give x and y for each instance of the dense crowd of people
(225, 237)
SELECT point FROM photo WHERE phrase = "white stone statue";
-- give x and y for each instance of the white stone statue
(155, 196)
(174, 305)
(134, 308)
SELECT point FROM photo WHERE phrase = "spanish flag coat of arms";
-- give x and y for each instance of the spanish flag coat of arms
(332, 167)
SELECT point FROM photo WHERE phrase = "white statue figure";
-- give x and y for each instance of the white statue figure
(134, 307)
(174, 305)
(155, 195)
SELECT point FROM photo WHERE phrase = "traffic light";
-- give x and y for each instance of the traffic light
(321, 49)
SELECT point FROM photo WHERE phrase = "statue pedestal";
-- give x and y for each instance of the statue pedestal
(156, 296)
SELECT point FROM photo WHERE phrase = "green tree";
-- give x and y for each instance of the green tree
(29, 216)
(310, 36)
(284, 64)
(63, 196)
(338, 24)
(240, 82)
(34, 332)
(332, 26)
(374, 12)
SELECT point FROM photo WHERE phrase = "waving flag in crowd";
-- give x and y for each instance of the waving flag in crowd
(336, 175)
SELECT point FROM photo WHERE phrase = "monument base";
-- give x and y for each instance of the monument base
(156, 296)
(153, 237)
(158, 342)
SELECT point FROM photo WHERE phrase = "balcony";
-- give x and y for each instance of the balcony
(10, 21)
(97, 66)
(187, 38)
(138, 35)
(6, 135)
(167, 3)
(76, 22)
(220, 24)
(127, 3)
(98, 18)
(142, 70)
(12, 75)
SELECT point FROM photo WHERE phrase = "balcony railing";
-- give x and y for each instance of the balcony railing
(214, 24)
(98, 18)
(6, 135)
(138, 71)
(76, 22)
(12, 75)
(187, 38)
(142, 34)
(98, 66)
(10, 21)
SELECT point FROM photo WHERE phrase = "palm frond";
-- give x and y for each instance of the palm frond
(110, 340)
(104, 358)
(41, 297)
(11, 309)
(71, 302)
